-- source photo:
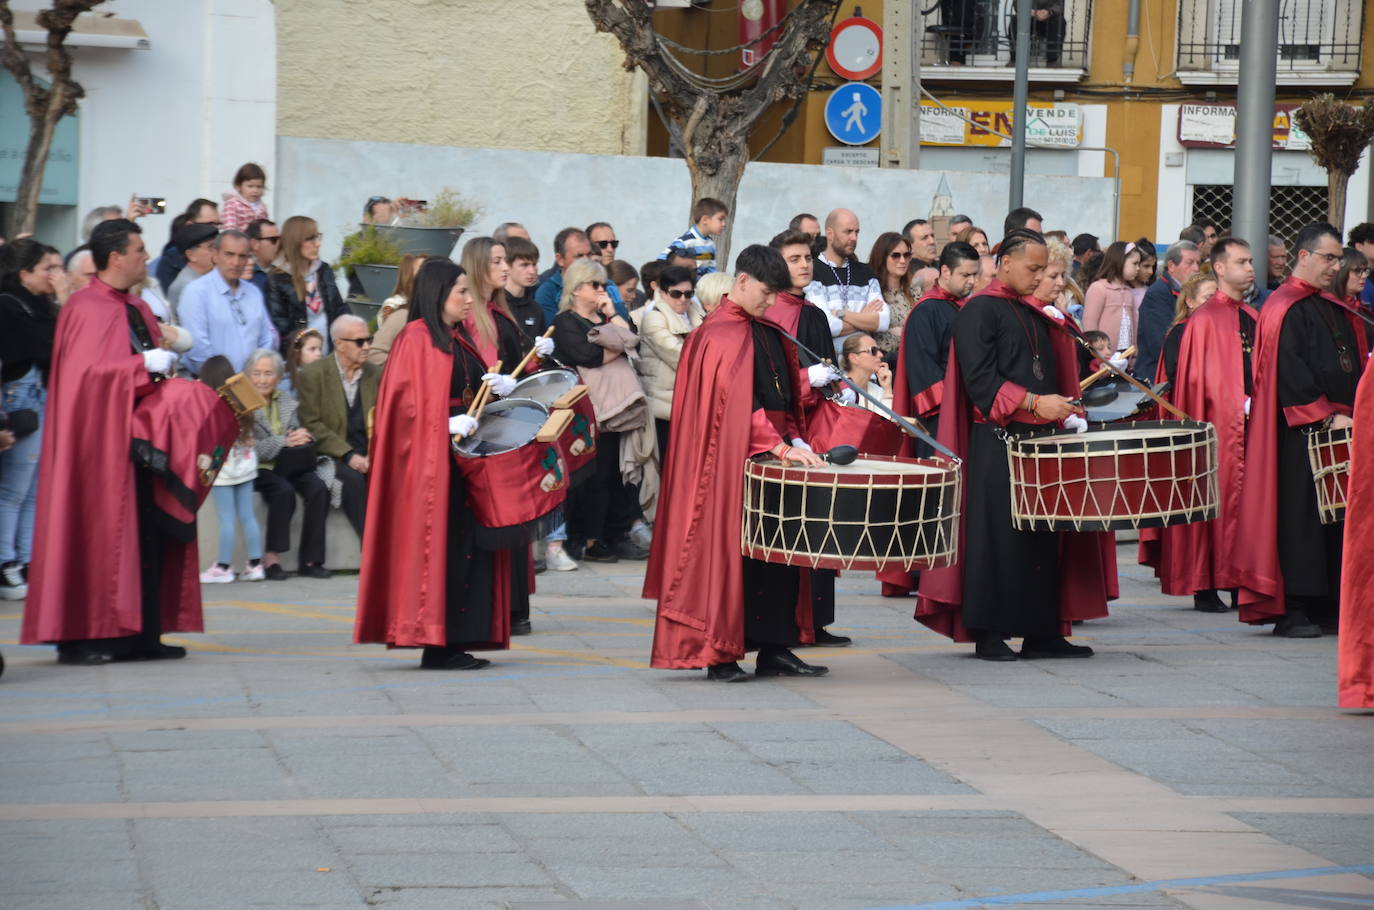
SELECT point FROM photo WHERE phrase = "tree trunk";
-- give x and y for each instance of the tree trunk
(24, 218)
(1336, 183)
(717, 149)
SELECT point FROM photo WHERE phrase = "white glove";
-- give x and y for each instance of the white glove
(799, 443)
(159, 361)
(1247, 405)
(1075, 423)
(822, 374)
(1053, 312)
(1119, 360)
(543, 347)
(847, 396)
(501, 384)
(461, 425)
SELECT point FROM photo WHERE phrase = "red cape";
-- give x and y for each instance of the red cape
(84, 581)
(786, 313)
(1210, 387)
(695, 568)
(1356, 665)
(402, 588)
(916, 402)
(1256, 559)
(1087, 561)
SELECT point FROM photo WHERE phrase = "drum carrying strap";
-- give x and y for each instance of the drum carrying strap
(906, 425)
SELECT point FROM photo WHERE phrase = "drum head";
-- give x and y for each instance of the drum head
(505, 425)
(546, 387)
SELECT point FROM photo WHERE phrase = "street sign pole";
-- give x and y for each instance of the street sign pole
(1020, 96)
(901, 84)
(1259, 31)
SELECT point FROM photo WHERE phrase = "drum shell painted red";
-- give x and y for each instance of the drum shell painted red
(514, 488)
(578, 440)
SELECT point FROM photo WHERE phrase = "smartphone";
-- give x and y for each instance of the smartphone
(153, 205)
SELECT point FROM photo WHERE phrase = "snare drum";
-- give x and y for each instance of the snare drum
(552, 388)
(512, 480)
(879, 512)
(1329, 453)
(1149, 474)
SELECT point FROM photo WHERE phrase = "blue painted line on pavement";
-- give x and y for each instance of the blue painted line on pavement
(1045, 897)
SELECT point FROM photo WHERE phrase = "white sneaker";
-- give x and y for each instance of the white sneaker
(216, 576)
(558, 560)
(12, 584)
(254, 573)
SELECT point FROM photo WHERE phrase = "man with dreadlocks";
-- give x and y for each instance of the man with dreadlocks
(1013, 367)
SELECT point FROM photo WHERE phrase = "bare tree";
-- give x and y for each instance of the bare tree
(45, 105)
(1340, 134)
(713, 118)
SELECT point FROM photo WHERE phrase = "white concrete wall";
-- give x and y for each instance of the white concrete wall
(642, 197)
(178, 119)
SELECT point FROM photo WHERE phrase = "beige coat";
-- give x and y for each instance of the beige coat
(662, 333)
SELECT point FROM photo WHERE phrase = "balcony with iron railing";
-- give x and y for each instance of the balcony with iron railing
(976, 40)
(1319, 41)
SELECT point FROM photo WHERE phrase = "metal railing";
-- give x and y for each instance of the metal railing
(1314, 35)
(982, 33)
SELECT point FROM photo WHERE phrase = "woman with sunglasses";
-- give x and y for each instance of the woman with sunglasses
(301, 291)
(862, 361)
(888, 261)
(602, 510)
(663, 329)
(423, 582)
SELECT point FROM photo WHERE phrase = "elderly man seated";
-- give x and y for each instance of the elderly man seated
(336, 395)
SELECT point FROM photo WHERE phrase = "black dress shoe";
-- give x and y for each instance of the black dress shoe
(449, 659)
(275, 572)
(312, 571)
(1209, 601)
(993, 647)
(597, 551)
(1295, 624)
(1052, 647)
(783, 662)
(574, 549)
(827, 639)
(625, 548)
(520, 627)
(730, 672)
(159, 651)
(84, 656)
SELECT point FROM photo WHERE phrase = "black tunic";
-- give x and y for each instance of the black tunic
(925, 352)
(471, 571)
(1173, 343)
(771, 589)
(1314, 334)
(1011, 578)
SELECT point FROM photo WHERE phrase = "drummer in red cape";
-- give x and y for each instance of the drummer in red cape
(1211, 382)
(1310, 352)
(1013, 368)
(424, 583)
(739, 393)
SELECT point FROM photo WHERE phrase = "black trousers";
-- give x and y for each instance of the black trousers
(354, 495)
(279, 495)
(603, 507)
(661, 428)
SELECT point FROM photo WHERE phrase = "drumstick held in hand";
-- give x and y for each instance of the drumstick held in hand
(479, 401)
(1083, 386)
(520, 367)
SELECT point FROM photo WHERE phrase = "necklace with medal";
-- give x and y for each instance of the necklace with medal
(1342, 349)
(762, 338)
(843, 282)
(1037, 368)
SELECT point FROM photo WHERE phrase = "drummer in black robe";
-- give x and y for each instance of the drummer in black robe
(918, 387)
(1310, 352)
(425, 581)
(1010, 367)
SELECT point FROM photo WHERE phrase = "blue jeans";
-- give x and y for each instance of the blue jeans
(236, 503)
(19, 471)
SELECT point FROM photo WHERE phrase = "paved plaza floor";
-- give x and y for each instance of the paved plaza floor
(1194, 762)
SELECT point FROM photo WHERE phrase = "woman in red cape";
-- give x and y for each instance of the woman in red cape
(423, 582)
(1356, 667)
(1086, 561)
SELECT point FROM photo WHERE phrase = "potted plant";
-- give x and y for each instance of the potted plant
(372, 258)
(433, 227)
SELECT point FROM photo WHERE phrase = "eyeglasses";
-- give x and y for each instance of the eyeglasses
(315, 236)
(598, 285)
(604, 244)
(360, 342)
(1328, 257)
(875, 351)
(676, 294)
(276, 239)
(895, 255)
(1361, 272)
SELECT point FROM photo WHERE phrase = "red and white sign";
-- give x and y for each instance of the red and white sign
(855, 51)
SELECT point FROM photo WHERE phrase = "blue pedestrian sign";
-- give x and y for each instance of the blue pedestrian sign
(854, 113)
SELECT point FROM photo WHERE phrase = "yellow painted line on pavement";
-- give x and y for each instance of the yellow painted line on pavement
(298, 611)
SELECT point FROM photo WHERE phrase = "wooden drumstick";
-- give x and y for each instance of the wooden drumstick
(1083, 386)
(479, 401)
(1149, 392)
(520, 367)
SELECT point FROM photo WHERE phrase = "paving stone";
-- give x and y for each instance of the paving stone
(445, 870)
(1346, 840)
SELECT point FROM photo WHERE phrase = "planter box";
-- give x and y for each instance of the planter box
(431, 241)
(364, 309)
(378, 281)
